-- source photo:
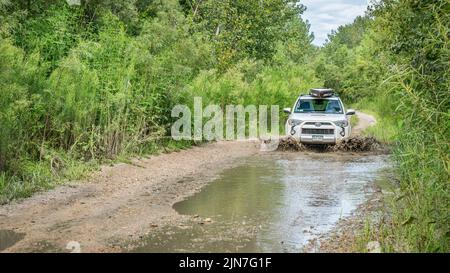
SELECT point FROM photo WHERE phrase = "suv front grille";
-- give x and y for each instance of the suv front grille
(311, 131)
(316, 123)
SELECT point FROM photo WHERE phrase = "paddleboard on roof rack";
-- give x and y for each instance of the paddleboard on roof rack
(321, 92)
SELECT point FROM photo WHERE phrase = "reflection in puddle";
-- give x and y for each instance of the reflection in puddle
(8, 238)
(271, 203)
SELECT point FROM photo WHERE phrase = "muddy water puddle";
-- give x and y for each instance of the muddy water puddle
(8, 238)
(271, 203)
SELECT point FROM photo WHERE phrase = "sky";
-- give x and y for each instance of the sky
(326, 15)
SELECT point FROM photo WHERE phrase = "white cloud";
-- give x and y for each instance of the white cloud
(326, 15)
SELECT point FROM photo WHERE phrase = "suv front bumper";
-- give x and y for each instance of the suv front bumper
(314, 139)
(311, 136)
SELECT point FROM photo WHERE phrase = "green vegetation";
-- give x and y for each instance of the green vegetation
(395, 63)
(85, 84)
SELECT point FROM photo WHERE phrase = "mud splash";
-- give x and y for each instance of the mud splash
(290, 144)
(350, 144)
(358, 144)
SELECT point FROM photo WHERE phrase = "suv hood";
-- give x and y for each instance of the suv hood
(317, 117)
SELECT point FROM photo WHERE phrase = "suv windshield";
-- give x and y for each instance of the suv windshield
(330, 106)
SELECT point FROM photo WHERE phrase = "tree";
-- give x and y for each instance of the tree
(244, 29)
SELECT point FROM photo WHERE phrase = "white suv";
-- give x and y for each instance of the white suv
(319, 118)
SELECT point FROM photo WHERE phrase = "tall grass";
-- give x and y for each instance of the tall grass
(102, 99)
(416, 36)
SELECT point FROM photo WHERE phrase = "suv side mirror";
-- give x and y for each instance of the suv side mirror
(287, 110)
(350, 112)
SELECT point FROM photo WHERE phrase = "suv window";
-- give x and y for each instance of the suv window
(318, 106)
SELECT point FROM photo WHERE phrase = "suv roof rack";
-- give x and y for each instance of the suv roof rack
(321, 92)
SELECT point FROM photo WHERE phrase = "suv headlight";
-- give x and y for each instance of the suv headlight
(341, 123)
(294, 122)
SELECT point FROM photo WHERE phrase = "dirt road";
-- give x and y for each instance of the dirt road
(119, 203)
(364, 121)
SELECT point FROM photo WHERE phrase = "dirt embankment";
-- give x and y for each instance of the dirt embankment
(120, 202)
